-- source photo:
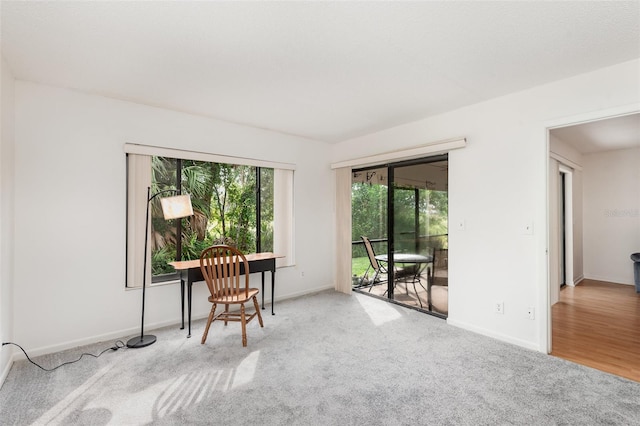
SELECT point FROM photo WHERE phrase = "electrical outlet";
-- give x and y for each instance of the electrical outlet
(531, 312)
(499, 307)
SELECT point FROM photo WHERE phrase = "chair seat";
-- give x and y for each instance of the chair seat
(240, 298)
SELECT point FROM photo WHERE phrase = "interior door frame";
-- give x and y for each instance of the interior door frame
(546, 324)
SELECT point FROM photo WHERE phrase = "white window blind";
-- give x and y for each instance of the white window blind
(148, 150)
(138, 180)
(433, 148)
(283, 241)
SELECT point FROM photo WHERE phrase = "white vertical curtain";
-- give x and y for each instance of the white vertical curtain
(283, 217)
(343, 230)
(138, 180)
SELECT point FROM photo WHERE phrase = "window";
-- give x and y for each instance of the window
(232, 204)
(248, 205)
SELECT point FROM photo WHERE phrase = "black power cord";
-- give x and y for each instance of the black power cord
(119, 344)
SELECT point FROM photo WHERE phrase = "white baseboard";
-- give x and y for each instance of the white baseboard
(578, 280)
(109, 337)
(609, 279)
(133, 331)
(6, 368)
(489, 333)
(306, 292)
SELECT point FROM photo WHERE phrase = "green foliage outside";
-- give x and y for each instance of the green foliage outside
(224, 206)
(369, 218)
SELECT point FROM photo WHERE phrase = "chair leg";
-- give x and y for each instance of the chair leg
(243, 320)
(255, 303)
(206, 329)
(373, 282)
(416, 292)
(364, 276)
(426, 291)
(226, 314)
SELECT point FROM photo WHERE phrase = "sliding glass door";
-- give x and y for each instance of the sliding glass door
(405, 258)
(369, 204)
(419, 195)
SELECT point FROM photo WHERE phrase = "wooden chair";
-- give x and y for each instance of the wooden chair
(221, 267)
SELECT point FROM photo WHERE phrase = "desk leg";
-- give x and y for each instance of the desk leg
(273, 286)
(182, 301)
(262, 290)
(189, 291)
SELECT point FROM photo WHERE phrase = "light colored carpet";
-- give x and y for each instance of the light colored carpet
(324, 359)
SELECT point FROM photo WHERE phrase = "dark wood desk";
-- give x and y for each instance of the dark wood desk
(190, 272)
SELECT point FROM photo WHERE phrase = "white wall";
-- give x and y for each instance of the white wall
(497, 185)
(70, 205)
(6, 215)
(70, 213)
(611, 214)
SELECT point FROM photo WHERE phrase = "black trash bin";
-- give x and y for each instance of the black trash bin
(636, 270)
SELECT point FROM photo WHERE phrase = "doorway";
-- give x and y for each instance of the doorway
(565, 220)
(589, 246)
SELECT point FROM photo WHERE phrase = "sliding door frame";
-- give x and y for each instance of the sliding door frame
(391, 216)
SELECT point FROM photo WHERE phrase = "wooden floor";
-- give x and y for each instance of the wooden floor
(598, 324)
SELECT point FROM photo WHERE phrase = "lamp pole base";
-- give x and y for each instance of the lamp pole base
(141, 341)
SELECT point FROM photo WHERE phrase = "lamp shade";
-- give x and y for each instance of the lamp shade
(176, 207)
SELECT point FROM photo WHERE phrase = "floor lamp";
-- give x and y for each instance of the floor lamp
(174, 207)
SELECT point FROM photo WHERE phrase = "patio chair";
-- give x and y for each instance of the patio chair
(378, 268)
(439, 274)
(408, 275)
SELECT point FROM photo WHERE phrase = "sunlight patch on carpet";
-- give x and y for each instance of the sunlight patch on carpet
(65, 407)
(379, 312)
(246, 370)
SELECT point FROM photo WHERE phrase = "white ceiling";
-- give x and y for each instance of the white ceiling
(329, 71)
(602, 135)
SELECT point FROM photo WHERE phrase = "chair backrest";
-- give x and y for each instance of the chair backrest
(440, 266)
(220, 266)
(441, 259)
(372, 255)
